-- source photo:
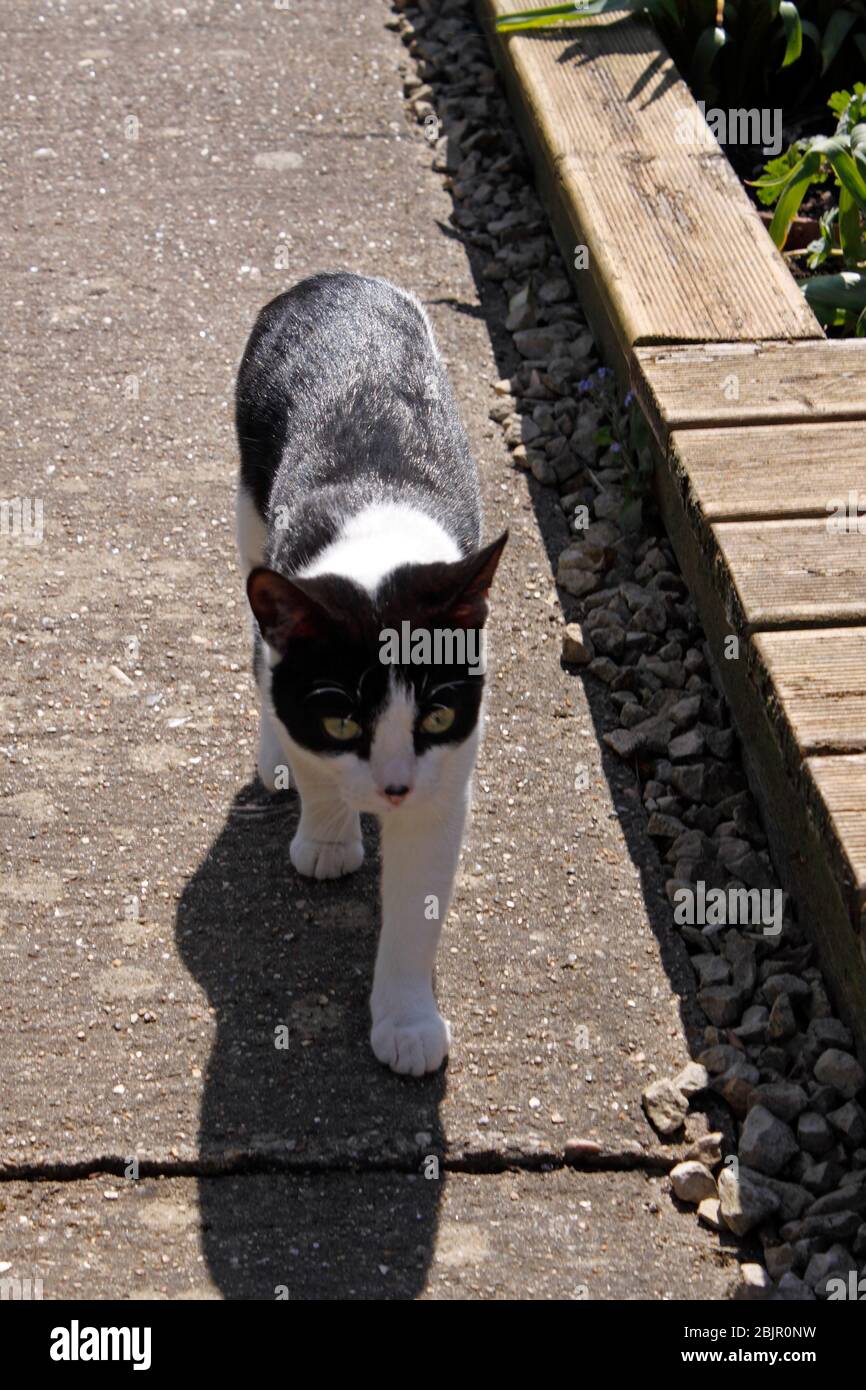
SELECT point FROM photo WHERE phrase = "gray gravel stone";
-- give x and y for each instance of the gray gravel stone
(744, 1203)
(665, 1105)
(850, 1122)
(692, 1182)
(577, 647)
(766, 1142)
(782, 1022)
(755, 1282)
(706, 1149)
(710, 1213)
(784, 1099)
(779, 1259)
(793, 1290)
(721, 1004)
(692, 1079)
(711, 970)
(835, 1263)
(814, 1135)
(841, 1071)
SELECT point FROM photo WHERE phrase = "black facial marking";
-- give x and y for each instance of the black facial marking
(334, 668)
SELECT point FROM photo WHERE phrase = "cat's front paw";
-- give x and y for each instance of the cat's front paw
(411, 1044)
(326, 858)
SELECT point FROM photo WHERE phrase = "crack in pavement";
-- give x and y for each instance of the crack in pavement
(489, 1163)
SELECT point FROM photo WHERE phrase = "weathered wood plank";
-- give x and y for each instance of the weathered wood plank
(676, 250)
(792, 573)
(728, 384)
(841, 783)
(770, 470)
(815, 679)
(819, 868)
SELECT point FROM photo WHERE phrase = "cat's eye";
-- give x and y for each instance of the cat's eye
(341, 729)
(438, 721)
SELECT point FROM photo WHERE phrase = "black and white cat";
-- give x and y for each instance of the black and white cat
(358, 511)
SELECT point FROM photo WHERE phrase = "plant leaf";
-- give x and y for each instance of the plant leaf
(790, 17)
(850, 239)
(706, 51)
(792, 196)
(849, 175)
(837, 29)
(833, 298)
(776, 174)
(551, 15)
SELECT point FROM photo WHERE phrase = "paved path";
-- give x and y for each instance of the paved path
(172, 169)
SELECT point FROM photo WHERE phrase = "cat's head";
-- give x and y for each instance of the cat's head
(382, 689)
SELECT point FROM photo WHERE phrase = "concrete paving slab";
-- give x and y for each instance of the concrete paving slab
(153, 936)
(560, 1235)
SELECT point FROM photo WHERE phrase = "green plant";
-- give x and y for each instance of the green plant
(624, 433)
(838, 300)
(730, 51)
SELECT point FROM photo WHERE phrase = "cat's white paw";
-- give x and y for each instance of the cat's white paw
(326, 858)
(411, 1044)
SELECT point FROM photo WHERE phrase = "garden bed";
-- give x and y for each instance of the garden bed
(755, 414)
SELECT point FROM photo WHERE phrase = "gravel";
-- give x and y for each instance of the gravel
(772, 1051)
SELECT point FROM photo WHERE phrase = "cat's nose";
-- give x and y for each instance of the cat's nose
(396, 794)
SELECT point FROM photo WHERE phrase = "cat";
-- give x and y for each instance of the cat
(358, 513)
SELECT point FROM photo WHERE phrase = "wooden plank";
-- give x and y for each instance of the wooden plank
(676, 250)
(678, 256)
(766, 471)
(816, 866)
(815, 681)
(792, 573)
(841, 783)
(725, 384)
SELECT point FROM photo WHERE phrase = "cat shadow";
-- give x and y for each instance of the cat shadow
(297, 1116)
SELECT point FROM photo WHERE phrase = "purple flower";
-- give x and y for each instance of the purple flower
(615, 448)
(629, 397)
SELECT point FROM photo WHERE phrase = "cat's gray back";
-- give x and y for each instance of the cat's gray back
(343, 403)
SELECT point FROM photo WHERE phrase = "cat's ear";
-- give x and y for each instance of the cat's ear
(283, 610)
(474, 576)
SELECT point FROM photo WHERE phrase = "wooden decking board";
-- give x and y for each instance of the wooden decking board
(725, 384)
(813, 863)
(603, 103)
(817, 683)
(792, 573)
(764, 471)
(841, 783)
